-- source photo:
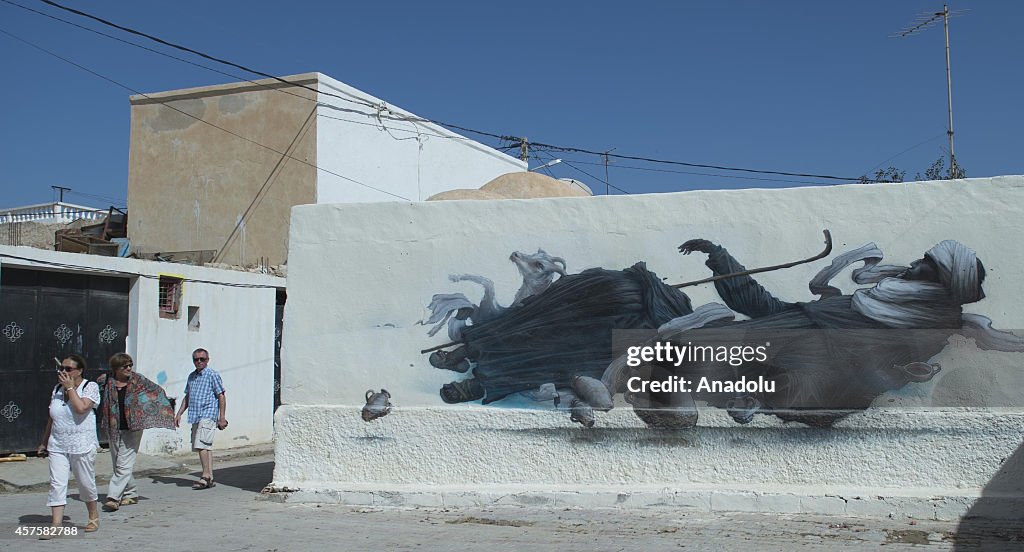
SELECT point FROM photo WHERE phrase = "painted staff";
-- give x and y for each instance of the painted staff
(822, 255)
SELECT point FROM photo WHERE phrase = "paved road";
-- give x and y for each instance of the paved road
(234, 516)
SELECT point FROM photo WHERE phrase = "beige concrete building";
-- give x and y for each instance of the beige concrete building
(218, 168)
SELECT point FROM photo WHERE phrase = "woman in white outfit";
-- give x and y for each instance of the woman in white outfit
(70, 440)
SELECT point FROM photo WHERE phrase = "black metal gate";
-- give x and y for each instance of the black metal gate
(46, 315)
(278, 333)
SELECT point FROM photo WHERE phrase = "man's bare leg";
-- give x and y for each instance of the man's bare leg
(206, 459)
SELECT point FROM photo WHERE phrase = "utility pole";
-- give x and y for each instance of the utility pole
(922, 22)
(607, 182)
(949, 91)
(61, 189)
(524, 148)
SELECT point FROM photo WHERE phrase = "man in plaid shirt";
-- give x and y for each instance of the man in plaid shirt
(204, 393)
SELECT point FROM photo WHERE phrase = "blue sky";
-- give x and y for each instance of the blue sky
(792, 86)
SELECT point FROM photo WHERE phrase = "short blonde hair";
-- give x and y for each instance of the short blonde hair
(120, 360)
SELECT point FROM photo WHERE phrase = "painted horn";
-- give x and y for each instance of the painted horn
(561, 261)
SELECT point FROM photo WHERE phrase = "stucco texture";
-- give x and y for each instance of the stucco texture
(201, 160)
(361, 276)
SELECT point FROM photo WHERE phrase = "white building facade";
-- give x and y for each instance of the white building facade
(156, 312)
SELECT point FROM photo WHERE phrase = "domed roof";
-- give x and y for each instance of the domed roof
(523, 185)
(519, 185)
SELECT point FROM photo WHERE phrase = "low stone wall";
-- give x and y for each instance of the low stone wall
(932, 464)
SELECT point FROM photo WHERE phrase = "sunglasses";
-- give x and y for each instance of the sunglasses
(129, 365)
(66, 368)
(200, 359)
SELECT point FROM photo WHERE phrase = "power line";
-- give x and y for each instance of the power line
(93, 270)
(194, 52)
(284, 155)
(130, 43)
(605, 182)
(164, 104)
(257, 72)
(573, 180)
(694, 173)
(683, 163)
(116, 202)
(263, 85)
(389, 129)
(923, 142)
(271, 178)
(383, 107)
(381, 115)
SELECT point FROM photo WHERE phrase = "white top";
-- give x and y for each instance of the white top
(74, 433)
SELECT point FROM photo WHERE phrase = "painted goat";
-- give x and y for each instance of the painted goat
(538, 271)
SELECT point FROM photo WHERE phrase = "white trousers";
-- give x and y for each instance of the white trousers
(61, 466)
(124, 449)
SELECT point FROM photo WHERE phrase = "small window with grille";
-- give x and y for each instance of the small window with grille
(170, 297)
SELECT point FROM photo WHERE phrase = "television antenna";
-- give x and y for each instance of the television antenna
(921, 23)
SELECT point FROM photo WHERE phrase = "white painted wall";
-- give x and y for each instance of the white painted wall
(361, 275)
(412, 161)
(237, 327)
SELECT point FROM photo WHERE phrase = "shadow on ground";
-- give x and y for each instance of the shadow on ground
(170, 480)
(996, 520)
(38, 519)
(251, 477)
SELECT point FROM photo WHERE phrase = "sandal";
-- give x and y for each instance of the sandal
(129, 500)
(92, 526)
(203, 483)
(111, 505)
(462, 391)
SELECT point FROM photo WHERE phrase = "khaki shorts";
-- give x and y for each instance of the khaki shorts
(202, 434)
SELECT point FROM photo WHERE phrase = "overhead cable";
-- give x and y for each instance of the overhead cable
(683, 163)
(164, 104)
(255, 71)
(114, 272)
(430, 121)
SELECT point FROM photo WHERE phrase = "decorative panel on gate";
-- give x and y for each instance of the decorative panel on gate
(47, 315)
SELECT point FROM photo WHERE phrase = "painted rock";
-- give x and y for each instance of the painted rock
(582, 413)
(593, 392)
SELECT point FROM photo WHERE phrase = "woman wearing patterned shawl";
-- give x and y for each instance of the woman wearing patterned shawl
(129, 404)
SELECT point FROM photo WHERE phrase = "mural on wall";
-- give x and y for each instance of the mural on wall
(813, 362)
